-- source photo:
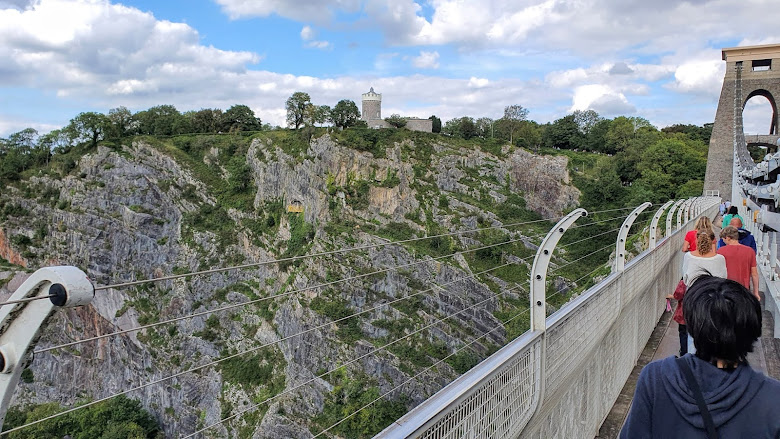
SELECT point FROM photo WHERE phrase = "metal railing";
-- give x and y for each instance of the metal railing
(561, 378)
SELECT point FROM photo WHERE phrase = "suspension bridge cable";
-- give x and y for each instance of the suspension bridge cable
(313, 255)
(212, 363)
(355, 360)
(590, 237)
(289, 293)
(578, 226)
(332, 252)
(560, 267)
(286, 294)
(26, 300)
(417, 375)
(574, 282)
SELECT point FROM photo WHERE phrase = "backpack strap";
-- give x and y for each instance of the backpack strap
(712, 433)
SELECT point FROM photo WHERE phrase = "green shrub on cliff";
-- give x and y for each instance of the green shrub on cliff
(116, 418)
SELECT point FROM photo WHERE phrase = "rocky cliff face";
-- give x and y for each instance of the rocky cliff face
(147, 209)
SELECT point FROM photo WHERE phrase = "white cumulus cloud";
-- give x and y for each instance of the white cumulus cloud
(308, 34)
(601, 98)
(700, 77)
(426, 60)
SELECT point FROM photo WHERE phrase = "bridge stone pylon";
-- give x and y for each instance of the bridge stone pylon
(750, 71)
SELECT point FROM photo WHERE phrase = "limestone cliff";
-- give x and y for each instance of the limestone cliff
(149, 208)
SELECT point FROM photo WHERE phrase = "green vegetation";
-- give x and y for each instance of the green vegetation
(347, 397)
(335, 308)
(263, 368)
(615, 163)
(116, 418)
(301, 236)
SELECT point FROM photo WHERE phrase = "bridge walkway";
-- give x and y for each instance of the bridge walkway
(664, 342)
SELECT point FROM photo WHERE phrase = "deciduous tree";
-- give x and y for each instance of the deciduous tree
(436, 125)
(296, 106)
(396, 120)
(89, 127)
(162, 120)
(344, 114)
(563, 133)
(120, 122)
(484, 126)
(205, 120)
(514, 114)
(463, 127)
(586, 120)
(240, 118)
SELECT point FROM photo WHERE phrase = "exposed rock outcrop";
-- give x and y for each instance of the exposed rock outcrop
(136, 212)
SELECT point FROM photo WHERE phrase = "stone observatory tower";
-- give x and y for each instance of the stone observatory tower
(372, 106)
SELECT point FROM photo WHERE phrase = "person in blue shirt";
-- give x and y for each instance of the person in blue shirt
(724, 320)
(745, 237)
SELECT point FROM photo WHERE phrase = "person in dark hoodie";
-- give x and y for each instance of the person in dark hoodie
(725, 321)
(745, 237)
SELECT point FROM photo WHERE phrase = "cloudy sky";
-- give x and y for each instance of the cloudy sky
(656, 59)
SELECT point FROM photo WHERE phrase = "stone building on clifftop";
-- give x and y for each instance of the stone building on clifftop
(371, 113)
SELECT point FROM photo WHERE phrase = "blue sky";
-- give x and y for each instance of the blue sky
(659, 60)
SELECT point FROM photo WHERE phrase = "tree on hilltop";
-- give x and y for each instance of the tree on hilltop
(344, 114)
(463, 127)
(89, 127)
(120, 122)
(436, 124)
(514, 115)
(396, 120)
(205, 120)
(240, 118)
(586, 120)
(297, 106)
(162, 120)
(484, 126)
(317, 114)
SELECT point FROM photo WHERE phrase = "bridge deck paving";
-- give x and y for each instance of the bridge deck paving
(663, 343)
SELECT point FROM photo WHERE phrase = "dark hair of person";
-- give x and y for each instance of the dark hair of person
(723, 318)
(704, 240)
(733, 210)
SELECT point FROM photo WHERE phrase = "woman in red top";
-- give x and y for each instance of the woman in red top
(703, 224)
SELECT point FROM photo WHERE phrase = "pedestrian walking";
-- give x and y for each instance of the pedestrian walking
(700, 262)
(702, 224)
(713, 393)
(740, 260)
(732, 213)
(745, 237)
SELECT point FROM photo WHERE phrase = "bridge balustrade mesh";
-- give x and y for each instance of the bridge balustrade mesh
(592, 345)
(498, 406)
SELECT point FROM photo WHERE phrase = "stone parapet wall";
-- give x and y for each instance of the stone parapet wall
(425, 125)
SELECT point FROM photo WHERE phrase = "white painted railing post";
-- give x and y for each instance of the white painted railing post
(21, 322)
(542, 262)
(538, 292)
(620, 242)
(654, 224)
(670, 217)
(687, 210)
